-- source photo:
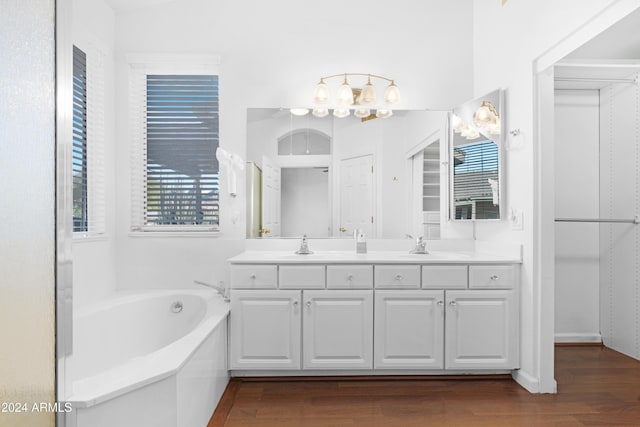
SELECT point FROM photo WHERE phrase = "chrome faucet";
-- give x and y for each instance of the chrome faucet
(304, 247)
(421, 246)
(222, 290)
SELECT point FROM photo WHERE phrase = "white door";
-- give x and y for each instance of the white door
(265, 329)
(481, 330)
(356, 195)
(338, 329)
(409, 329)
(271, 198)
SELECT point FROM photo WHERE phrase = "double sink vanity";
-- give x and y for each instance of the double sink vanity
(383, 312)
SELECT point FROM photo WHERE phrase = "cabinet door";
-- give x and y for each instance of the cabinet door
(481, 330)
(409, 329)
(338, 329)
(265, 329)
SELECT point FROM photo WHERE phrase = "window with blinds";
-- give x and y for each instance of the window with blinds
(79, 165)
(179, 138)
(88, 142)
(475, 167)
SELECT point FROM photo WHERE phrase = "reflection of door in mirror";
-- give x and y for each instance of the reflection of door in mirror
(356, 195)
(305, 192)
(271, 198)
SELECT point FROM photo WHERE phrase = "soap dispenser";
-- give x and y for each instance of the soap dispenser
(361, 241)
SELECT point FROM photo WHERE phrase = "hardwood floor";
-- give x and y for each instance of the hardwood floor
(596, 387)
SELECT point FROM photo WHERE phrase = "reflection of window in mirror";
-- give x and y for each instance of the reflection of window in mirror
(475, 180)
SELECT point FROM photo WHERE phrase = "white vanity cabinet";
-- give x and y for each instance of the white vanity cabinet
(337, 329)
(265, 329)
(372, 316)
(409, 328)
(481, 329)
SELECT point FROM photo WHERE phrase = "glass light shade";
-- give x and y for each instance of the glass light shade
(344, 95)
(485, 115)
(299, 111)
(494, 129)
(341, 112)
(470, 133)
(391, 94)
(368, 94)
(320, 112)
(384, 113)
(321, 93)
(362, 112)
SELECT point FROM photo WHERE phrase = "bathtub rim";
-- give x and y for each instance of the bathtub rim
(167, 361)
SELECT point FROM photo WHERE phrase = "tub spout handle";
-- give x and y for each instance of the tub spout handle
(222, 290)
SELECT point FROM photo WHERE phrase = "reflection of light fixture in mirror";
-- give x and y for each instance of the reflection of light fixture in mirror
(299, 111)
(347, 96)
(384, 113)
(320, 112)
(361, 112)
(341, 112)
(456, 123)
(486, 117)
(469, 132)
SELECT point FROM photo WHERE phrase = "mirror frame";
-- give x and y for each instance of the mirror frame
(468, 106)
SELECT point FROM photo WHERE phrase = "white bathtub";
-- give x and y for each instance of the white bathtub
(137, 363)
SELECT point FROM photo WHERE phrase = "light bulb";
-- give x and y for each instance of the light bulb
(321, 93)
(391, 94)
(345, 94)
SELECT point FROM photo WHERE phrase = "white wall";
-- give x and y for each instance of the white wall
(507, 41)
(577, 247)
(27, 210)
(273, 55)
(620, 198)
(94, 266)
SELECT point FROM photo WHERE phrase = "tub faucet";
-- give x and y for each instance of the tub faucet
(222, 290)
(304, 247)
(421, 246)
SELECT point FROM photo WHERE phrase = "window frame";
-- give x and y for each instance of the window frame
(141, 65)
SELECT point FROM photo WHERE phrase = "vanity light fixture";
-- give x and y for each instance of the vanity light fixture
(320, 112)
(299, 111)
(363, 98)
(486, 117)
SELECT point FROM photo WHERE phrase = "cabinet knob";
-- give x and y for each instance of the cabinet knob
(440, 303)
(350, 277)
(295, 303)
(494, 277)
(398, 276)
(309, 304)
(252, 277)
(453, 303)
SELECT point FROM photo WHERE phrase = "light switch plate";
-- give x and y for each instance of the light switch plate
(517, 219)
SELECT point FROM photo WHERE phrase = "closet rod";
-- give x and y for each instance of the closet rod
(589, 79)
(634, 220)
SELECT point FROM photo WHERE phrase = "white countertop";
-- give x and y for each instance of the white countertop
(372, 257)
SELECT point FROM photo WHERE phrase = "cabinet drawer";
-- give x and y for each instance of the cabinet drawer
(254, 276)
(349, 276)
(301, 277)
(492, 276)
(444, 276)
(397, 276)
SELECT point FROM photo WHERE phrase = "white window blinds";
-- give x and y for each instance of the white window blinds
(88, 142)
(175, 136)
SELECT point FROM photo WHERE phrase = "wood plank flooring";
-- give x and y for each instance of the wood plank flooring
(596, 387)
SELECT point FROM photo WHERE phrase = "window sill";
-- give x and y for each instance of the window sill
(86, 238)
(164, 234)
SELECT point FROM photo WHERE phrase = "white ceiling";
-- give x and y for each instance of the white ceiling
(120, 6)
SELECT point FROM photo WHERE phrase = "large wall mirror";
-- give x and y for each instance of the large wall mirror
(476, 135)
(326, 177)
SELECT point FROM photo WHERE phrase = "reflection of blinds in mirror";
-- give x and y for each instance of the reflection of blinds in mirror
(474, 165)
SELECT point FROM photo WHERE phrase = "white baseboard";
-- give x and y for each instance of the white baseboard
(578, 337)
(529, 382)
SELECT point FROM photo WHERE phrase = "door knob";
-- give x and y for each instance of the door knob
(343, 230)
